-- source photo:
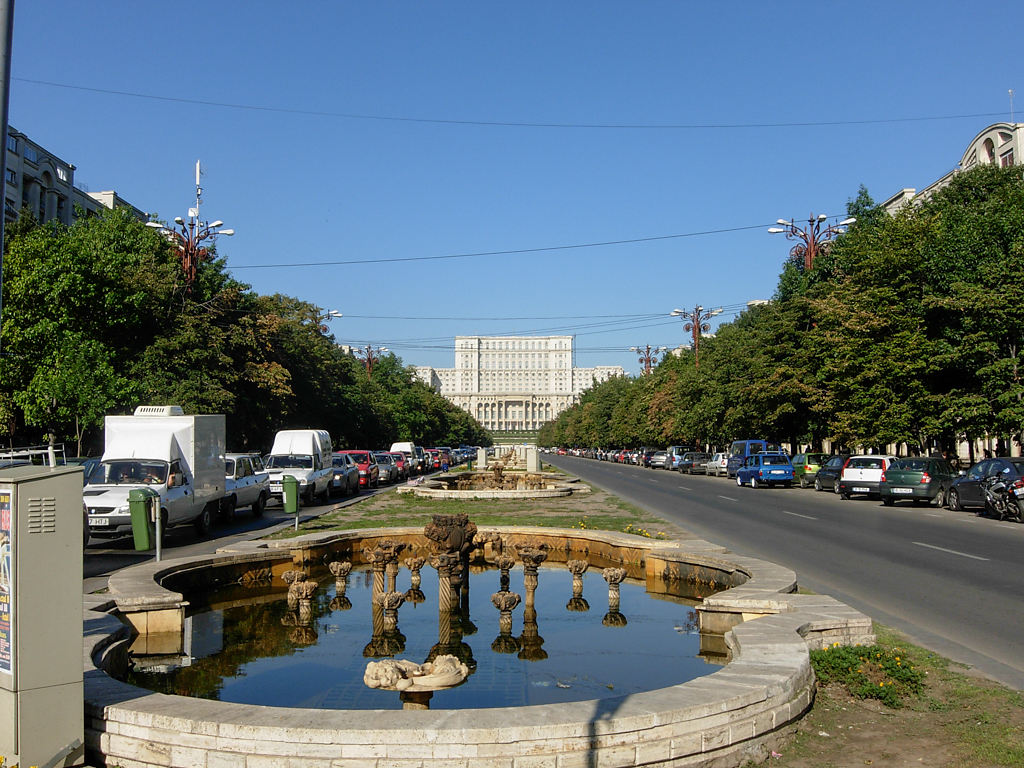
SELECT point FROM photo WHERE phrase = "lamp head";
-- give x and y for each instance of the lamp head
(776, 230)
(228, 232)
(781, 221)
(822, 217)
(848, 222)
(216, 224)
(178, 220)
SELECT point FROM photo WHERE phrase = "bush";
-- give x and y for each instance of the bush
(869, 672)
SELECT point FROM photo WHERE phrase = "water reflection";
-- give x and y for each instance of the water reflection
(310, 650)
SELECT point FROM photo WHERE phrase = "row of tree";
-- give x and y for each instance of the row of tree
(908, 330)
(97, 319)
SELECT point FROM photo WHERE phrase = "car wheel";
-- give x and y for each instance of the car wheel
(835, 487)
(753, 482)
(817, 485)
(887, 501)
(739, 482)
(259, 505)
(953, 499)
(803, 482)
(203, 521)
(939, 500)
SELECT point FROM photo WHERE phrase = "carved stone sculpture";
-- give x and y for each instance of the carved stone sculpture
(445, 671)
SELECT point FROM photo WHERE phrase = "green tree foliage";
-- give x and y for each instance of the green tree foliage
(908, 330)
(96, 320)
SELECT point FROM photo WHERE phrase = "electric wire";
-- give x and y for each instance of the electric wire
(500, 123)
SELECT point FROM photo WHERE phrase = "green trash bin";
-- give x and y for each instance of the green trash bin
(290, 494)
(138, 506)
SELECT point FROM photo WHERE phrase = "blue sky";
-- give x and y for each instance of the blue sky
(810, 100)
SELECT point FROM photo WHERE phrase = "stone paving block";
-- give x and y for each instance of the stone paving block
(187, 757)
(220, 760)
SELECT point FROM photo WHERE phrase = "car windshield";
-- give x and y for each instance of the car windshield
(382, 458)
(917, 465)
(229, 467)
(360, 458)
(129, 473)
(816, 458)
(289, 461)
(774, 460)
(866, 464)
(339, 461)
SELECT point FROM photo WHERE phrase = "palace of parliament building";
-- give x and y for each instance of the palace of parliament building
(514, 382)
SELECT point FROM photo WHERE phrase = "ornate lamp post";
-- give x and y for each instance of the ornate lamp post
(370, 356)
(323, 316)
(648, 356)
(696, 324)
(189, 236)
(813, 239)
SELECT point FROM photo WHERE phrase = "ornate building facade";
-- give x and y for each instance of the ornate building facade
(511, 383)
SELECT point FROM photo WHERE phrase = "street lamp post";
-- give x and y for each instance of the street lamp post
(647, 355)
(813, 239)
(370, 356)
(323, 316)
(696, 324)
(189, 236)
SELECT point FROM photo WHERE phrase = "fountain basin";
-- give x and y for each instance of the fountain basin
(506, 485)
(721, 719)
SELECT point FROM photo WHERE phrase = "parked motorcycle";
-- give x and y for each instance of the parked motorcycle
(1001, 499)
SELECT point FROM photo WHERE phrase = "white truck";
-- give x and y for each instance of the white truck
(179, 457)
(305, 454)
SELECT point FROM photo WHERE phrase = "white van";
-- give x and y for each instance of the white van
(305, 454)
(417, 459)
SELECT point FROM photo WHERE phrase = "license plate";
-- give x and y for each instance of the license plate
(1018, 491)
(778, 471)
(855, 489)
(275, 486)
(902, 490)
(99, 521)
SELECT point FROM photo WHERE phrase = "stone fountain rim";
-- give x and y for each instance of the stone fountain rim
(767, 684)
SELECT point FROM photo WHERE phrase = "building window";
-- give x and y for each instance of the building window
(62, 174)
(1006, 159)
(12, 177)
(31, 155)
(12, 144)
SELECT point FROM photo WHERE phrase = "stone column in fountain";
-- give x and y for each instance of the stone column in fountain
(505, 563)
(340, 571)
(577, 602)
(378, 560)
(614, 577)
(505, 602)
(414, 594)
(391, 602)
(445, 594)
(531, 558)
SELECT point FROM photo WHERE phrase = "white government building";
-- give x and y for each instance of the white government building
(514, 382)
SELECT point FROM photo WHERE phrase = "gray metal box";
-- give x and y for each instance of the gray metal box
(41, 526)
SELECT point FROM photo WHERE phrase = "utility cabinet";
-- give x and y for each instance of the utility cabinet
(41, 693)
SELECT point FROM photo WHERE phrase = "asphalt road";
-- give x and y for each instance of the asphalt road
(951, 581)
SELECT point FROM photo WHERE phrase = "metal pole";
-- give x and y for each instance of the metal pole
(6, 37)
(157, 527)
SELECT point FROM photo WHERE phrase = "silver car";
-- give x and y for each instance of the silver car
(389, 472)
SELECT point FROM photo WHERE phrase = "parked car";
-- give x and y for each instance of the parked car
(717, 464)
(402, 462)
(386, 467)
(806, 466)
(765, 469)
(862, 475)
(369, 472)
(660, 460)
(917, 479)
(346, 474)
(741, 449)
(676, 453)
(827, 476)
(246, 484)
(966, 491)
(433, 459)
(692, 462)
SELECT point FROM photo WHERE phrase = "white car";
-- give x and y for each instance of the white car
(718, 465)
(861, 475)
(246, 484)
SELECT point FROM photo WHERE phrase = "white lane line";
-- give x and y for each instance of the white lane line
(950, 551)
(932, 514)
(797, 514)
(686, 488)
(727, 498)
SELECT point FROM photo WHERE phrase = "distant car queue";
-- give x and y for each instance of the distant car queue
(993, 486)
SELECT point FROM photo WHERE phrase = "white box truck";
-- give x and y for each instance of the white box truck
(179, 457)
(305, 454)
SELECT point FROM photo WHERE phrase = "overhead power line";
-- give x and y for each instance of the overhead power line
(502, 123)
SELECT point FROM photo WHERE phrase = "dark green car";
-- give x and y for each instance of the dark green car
(917, 479)
(806, 466)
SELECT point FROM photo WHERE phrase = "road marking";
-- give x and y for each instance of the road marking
(688, 488)
(727, 498)
(932, 514)
(797, 514)
(950, 551)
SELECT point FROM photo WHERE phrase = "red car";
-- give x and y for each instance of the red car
(369, 472)
(433, 458)
(402, 463)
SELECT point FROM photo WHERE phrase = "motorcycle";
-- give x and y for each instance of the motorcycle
(1001, 501)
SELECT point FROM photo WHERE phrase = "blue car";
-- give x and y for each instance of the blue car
(763, 469)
